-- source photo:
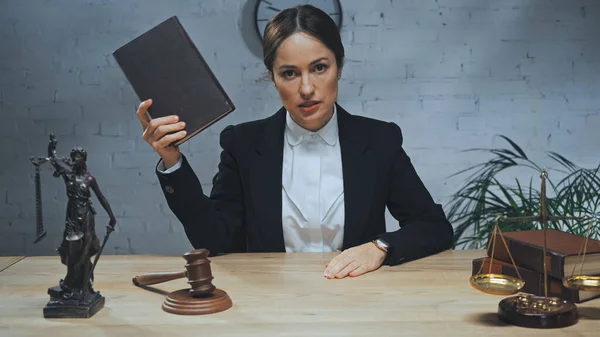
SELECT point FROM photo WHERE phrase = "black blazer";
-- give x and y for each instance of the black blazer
(243, 212)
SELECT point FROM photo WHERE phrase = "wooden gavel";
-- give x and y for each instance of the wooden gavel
(197, 271)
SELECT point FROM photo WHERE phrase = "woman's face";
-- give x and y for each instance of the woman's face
(306, 76)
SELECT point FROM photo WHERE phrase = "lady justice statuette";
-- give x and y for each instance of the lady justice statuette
(74, 297)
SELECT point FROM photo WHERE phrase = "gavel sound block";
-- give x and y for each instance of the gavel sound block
(202, 298)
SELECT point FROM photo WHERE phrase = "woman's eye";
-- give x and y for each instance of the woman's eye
(320, 67)
(288, 73)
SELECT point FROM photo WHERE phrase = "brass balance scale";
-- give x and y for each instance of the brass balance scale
(527, 310)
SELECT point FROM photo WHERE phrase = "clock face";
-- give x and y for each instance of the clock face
(266, 9)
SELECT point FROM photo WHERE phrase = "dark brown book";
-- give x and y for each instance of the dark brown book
(534, 281)
(562, 249)
(164, 64)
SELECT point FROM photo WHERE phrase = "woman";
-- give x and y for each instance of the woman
(312, 177)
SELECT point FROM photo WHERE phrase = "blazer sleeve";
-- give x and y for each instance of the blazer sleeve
(216, 222)
(424, 228)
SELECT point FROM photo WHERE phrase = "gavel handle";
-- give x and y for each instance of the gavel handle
(154, 278)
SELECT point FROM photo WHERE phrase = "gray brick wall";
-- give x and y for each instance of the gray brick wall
(451, 73)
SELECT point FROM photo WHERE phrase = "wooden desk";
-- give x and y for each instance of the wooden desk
(274, 294)
(7, 261)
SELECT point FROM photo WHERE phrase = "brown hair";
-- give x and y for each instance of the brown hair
(303, 18)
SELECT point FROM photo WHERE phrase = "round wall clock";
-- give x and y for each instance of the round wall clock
(266, 9)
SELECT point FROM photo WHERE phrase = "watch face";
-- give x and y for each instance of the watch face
(266, 9)
(383, 243)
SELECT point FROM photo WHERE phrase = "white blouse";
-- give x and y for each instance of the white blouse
(312, 188)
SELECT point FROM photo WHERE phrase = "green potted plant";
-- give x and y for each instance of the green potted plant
(571, 191)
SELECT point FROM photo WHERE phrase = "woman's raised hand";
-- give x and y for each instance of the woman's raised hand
(161, 132)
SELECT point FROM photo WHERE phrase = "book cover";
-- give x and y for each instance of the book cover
(164, 64)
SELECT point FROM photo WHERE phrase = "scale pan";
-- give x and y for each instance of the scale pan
(582, 282)
(497, 284)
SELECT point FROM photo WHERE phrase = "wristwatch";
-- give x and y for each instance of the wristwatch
(381, 245)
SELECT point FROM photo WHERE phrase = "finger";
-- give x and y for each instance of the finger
(337, 267)
(142, 113)
(329, 265)
(165, 129)
(155, 123)
(168, 139)
(349, 268)
(358, 271)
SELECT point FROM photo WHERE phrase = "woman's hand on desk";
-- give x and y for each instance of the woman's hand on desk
(160, 133)
(355, 261)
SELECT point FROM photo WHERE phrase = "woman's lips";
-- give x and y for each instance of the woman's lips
(309, 107)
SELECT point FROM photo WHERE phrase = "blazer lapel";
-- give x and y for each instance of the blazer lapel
(266, 189)
(359, 177)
